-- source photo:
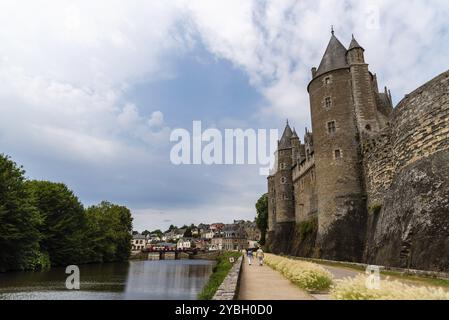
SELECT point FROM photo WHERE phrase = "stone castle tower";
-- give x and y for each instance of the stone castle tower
(326, 194)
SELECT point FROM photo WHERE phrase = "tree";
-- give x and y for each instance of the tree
(158, 232)
(262, 217)
(109, 232)
(188, 233)
(19, 221)
(63, 222)
(172, 227)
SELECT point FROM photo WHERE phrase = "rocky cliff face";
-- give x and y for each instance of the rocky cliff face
(411, 230)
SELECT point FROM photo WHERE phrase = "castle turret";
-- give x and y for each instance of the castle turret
(340, 193)
(296, 143)
(285, 211)
(363, 83)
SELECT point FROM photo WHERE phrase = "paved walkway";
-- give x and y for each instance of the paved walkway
(263, 283)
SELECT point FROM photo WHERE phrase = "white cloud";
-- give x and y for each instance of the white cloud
(65, 67)
(156, 119)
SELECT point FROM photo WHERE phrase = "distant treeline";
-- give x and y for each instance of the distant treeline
(43, 224)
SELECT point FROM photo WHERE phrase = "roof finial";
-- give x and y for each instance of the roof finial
(332, 29)
(287, 122)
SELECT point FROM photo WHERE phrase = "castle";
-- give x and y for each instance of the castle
(370, 183)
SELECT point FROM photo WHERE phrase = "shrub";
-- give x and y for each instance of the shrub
(355, 289)
(306, 275)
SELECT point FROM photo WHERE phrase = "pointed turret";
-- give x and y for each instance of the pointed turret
(285, 141)
(334, 58)
(354, 44)
(355, 52)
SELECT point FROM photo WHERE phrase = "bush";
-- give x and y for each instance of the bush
(219, 273)
(355, 289)
(306, 275)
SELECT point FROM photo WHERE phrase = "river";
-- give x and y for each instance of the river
(141, 280)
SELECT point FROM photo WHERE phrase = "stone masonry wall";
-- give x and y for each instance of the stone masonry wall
(420, 122)
(229, 288)
(408, 177)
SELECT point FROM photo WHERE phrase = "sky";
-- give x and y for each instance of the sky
(91, 90)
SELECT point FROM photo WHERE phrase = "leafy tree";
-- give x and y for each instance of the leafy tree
(63, 221)
(188, 233)
(262, 217)
(108, 232)
(19, 221)
(135, 232)
(158, 232)
(172, 227)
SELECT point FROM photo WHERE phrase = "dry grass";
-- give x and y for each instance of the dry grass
(355, 289)
(306, 275)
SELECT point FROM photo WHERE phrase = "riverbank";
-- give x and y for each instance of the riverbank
(225, 261)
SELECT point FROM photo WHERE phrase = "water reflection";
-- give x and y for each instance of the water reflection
(178, 279)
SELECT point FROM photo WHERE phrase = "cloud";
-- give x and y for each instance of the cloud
(156, 119)
(67, 70)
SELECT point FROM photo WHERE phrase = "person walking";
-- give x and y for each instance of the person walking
(260, 255)
(249, 255)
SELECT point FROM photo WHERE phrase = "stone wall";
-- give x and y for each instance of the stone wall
(420, 122)
(228, 290)
(407, 176)
(378, 166)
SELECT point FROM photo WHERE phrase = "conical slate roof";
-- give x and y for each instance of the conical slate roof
(285, 141)
(294, 135)
(334, 58)
(354, 44)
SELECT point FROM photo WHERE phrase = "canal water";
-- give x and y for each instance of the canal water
(141, 280)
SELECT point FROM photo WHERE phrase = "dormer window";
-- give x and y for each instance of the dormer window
(328, 102)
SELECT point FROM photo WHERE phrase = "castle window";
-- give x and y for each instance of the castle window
(328, 103)
(338, 154)
(283, 180)
(283, 165)
(331, 127)
(327, 80)
(368, 127)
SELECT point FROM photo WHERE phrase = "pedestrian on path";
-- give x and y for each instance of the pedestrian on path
(260, 255)
(250, 255)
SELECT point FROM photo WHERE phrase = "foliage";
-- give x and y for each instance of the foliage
(219, 273)
(19, 220)
(63, 221)
(108, 233)
(262, 217)
(356, 289)
(306, 275)
(306, 228)
(188, 233)
(43, 224)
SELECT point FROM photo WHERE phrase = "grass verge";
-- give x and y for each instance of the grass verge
(219, 272)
